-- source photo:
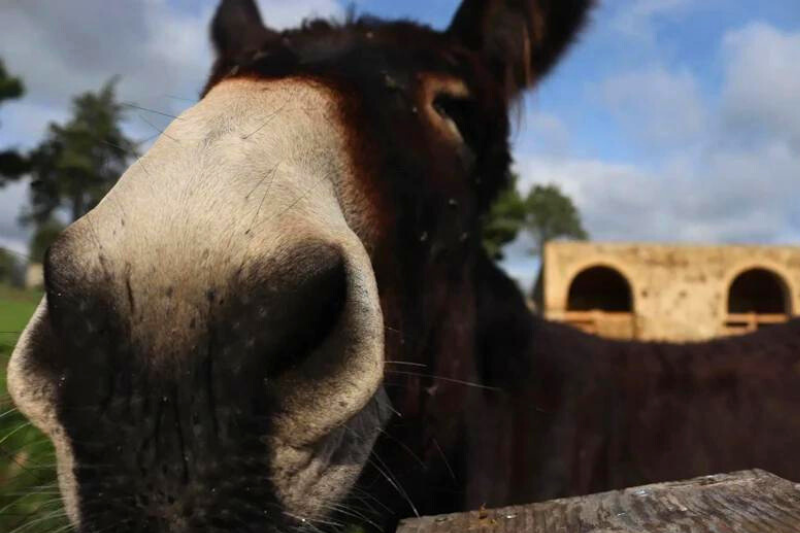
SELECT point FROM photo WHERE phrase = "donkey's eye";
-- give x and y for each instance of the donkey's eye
(459, 111)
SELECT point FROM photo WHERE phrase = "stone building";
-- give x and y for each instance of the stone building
(667, 292)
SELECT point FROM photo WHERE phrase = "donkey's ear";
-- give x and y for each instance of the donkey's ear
(237, 29)
(520, 39)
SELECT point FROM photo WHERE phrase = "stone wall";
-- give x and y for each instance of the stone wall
(679, 293)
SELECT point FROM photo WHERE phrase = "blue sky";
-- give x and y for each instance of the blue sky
(671, 120)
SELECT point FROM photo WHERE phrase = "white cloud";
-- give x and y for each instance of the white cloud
(720, 197)
(61, 49)
(64, 48)
(548, 133)
(280, 14)
(762, 70)
(637, 20)
(657, 106)
(716, 173)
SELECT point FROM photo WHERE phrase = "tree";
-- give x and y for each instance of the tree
(12, 163)
(552, 215)
(7, 266)
(504, 220)
(46, 234)
(77, 163)
(546, 213)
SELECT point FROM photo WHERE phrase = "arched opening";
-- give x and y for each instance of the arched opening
(600, 301)
(757, 298)
(600, 289)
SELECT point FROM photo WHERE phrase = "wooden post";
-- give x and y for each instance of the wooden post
(745, 502)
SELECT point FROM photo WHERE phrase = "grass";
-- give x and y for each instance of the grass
(16, 308)
(28, 493)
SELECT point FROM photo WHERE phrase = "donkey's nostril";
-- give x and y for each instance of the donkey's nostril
(304, 313)
(261, 320)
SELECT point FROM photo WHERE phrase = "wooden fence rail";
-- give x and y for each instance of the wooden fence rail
(745, 502)
(739, 323)
(603, 323)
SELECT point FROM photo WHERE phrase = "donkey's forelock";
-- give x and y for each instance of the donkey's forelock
(210, 353)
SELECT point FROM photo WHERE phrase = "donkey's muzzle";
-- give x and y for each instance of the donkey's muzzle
(173, 398)
(118, 336)
(212, 332)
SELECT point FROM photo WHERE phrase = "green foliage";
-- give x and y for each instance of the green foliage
(12, 163)
(28, 490)
(7, 265)
(546, 212)
(46, 233)
(78, 162)
(552, 215)
(10, 87)
(504, 220)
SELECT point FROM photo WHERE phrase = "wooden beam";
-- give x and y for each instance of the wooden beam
(745, 502)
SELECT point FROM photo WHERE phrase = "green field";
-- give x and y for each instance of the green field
(28, 494)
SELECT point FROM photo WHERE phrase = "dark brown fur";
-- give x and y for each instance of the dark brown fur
(591, 415)
(555, 412)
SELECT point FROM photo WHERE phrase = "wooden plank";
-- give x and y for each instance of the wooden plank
(737, 324)
(745, 502)
(758, 318)
(609, 324)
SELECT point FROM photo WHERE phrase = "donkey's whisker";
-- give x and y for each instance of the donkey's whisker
(161, 131)
(141, 108)
(445, 379)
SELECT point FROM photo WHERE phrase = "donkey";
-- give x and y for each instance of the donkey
(281, 318)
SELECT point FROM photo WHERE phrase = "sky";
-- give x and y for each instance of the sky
(669, 121)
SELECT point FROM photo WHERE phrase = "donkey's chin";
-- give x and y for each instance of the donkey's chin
(311, 479)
